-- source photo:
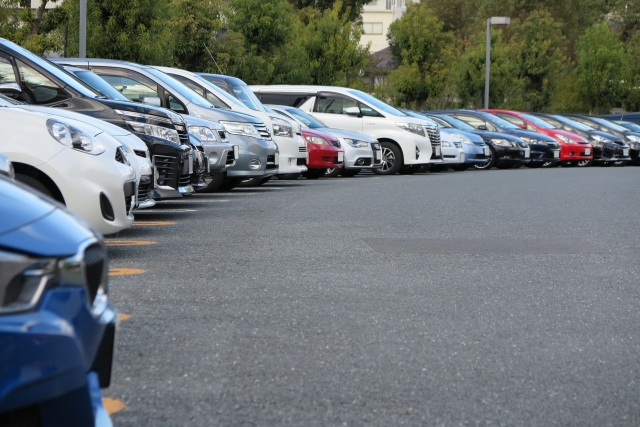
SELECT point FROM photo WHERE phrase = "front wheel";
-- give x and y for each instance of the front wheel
(424, 168)
(254, 182)
(213, 183)
(569, 164)
(392, 159)
(585, 163)
(333, 172)
(229, 184)
(34, 183)
(460, 168)
(313, 173)
(490, 162)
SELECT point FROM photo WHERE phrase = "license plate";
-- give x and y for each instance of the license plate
(276, 158)
(587, 151)
(340, 156)
(376, 155)
(527, 153)
(487, 151)
(556, 154)
(236, 152)
(625, 152)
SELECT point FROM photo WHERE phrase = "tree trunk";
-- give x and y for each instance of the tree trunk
(35, 26)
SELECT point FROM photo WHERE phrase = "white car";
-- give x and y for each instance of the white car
(292, 147)
(73, 162)
(360, 151)
(452, 152)
(405, 140)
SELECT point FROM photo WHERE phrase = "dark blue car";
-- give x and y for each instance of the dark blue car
(57, 326)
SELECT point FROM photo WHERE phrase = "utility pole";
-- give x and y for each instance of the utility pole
(495, 20)
(82, 49)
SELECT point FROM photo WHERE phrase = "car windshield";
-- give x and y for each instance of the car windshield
(578, 125)
(498, 121)
(99, 85)
(631, 126)
(247, 97)
(309, 121)
(609, 124)
(458, 124)
(376, 103)
(418, 116)
(541, 123)
(180, 88)
(441, 122)
(223, 95)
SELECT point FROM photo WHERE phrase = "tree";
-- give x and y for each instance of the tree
(426, 53)
(602, 68)
(32, 30)
(352, 8)
(331, 42)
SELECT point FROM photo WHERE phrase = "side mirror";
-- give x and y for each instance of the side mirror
(522, 126)
(482, 127)
(352, 111)
(10, 88)
(152, 100)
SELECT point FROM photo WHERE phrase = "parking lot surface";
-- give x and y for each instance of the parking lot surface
(503, 297)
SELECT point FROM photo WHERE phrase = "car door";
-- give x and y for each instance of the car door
(330, 108)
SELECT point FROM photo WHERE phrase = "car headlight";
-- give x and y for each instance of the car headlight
(356, 143)
(316, 140)
(413, 128)
(236, 128)
(23, 280)
(154, 130)
(446, 144)
(564, 139)
(73, 137)
(599, 140)
(501, 142)
(204, 133)
(530, 140)
(281, 128)
(462, 138)
(633, 140)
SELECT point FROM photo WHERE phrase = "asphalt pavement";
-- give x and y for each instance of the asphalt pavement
(478, 298)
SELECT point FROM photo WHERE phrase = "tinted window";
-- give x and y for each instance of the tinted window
(309, 121)
(376, 103)
(175, 104)
(541, 123)
(38, 89)
(217, 102)
(458, 124)
(475, 121)
(100, 85)
(290, 99)
(134, 87)
(7, 73)
(334, 104)
(511, 119)
(631, 126)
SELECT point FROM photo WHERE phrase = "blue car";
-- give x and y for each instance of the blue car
(57, 326)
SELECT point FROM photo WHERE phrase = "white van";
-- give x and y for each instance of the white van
(405, 140)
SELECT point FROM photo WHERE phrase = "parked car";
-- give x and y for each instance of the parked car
(211, 140)
(72, 162)
(325, 152)
(34, 80)
(633, 117)
(509, 145)
(476, 152)
(405, 140)
(574, 149)
(257, 157)
(57, 326)
(633, 152)
(136, 151)
(604, 144)
(217, 88)
(360, 151)
(621, 153)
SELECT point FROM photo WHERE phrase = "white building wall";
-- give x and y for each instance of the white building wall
(377, 16)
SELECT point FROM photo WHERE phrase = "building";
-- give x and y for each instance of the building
(376, 18)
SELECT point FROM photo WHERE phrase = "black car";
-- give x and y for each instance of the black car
(511, 146)
(34, 80)
(604, 144)
(621, 152)
(633, 127)
(627, 117)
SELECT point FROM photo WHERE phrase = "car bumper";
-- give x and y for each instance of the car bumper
(221, 156)
(253, 151)
(361, 157)
(61, 353)
(325, 158)
(544, 154)
(420, 153)
(452, 155)
(572, 152)
(292, 154)
(474, 153)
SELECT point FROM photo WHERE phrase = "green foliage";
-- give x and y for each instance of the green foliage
(351, 9)
(632, 86)
(602, 67)
(32, 30)
(426, 53)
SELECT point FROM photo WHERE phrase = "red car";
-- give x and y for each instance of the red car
(574, 149)
(325, 152)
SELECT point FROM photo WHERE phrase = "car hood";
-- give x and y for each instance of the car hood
(488, 134)
(109, 128)
(529, 134)
(451, 131)
(194, 121)
(339, 133)
(35, 225)
(217, 115)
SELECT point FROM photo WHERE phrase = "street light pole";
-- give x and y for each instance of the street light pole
(494, 20)
(82, 48)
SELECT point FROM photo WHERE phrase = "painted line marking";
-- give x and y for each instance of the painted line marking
(122, 317)
(152, 223)
(146, 211)
(113, 405)
(129, 242)
(192, 201)
(125, 271)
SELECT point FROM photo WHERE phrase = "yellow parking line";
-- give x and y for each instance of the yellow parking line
(129, 242)
(122, 317)
(125, 271)
(152, 223)
(113, 405)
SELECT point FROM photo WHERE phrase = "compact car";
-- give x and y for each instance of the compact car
(621, 153)
(325, 152)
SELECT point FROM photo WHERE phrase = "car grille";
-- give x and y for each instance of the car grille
(184, 137)
(365, 162)
(263, 131)
(302, 149)
(120, 156)
(230, 157)
(140, 153)
(271, 161)
(434, 134)
(165, 166)
(95, 259)
(184, 180)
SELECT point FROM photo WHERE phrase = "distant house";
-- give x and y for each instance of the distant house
(50, 5)
(376, 18)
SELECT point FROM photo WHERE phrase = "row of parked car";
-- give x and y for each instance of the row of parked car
(89, 141)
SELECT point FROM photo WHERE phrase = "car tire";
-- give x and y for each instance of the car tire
(504, 166)
(330, 173)
(349, 173)
(288, 176)
(254, 182)
(536, 165)
(34, 183)
(313, 173)
(424, 168)
(392, 159)
(213, 183)
(491, 163)
(229, 184)
(409, 170)
(584, 163)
